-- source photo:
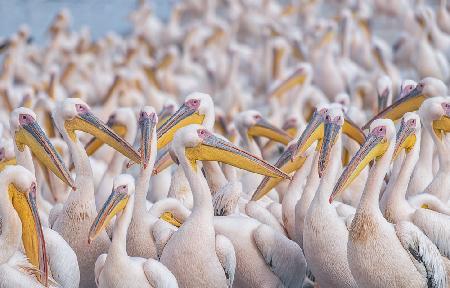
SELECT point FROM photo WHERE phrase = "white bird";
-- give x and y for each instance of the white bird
(78, 212)
(21, 224)
(117, 269)
(325, 233)
(29, 137)
(379, 253)
(208, 259)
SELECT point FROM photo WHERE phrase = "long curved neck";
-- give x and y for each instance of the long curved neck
(11, 228)
(440, 185)
(395, 193)
(202, 198)
(84, 181)
(143, 182)
(370, 198)
(119, 241)
(327, 182)
(214, 176)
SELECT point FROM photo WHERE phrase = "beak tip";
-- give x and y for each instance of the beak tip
(330, 200)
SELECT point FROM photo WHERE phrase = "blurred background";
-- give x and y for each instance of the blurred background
(100, 15)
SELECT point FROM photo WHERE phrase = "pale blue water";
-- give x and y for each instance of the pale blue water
(100, 15)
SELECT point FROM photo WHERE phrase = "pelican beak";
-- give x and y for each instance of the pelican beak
(297, 77)
(183, 117)
(32, 236)
(165, 115)
(94, 144)
(292, 158)
(330, 136)
(170, 218)
(89, 123)
(147, 124)
(115, 203)
(410, 102)
(382, 99)
(406, 139)
(163, 161)
(264, 129)
(374, 147)
(213, 148)
(441, 126)
(352, 130)
(5, 163)
(32, 136)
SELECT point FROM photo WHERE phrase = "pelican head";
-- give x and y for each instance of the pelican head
(197, 143)
(334, 120)
(27, 132)
(120, 121)
(437, 112)
(6, 153)
(407, 133)
(381, 135)
(426, 88)
(21, 185)
(251, 124)
(147, 123)
(123, 189)
(72, 114)
(406, 87)
(198, 108)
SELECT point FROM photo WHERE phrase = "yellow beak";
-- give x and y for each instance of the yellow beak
(116, 202)
(374, 147)
(32, 236)
(32, 136)
(89, 123)
(292, 158)
(215, 149)
(183, 117)
(296, 78)
(264, 129)
(441, 126)
(170, 218)
(410, 102)
(94, 144)
(406, 139)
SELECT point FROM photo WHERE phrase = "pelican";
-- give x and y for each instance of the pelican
(379, 253)
(78, 212)
(435, 113)
(21, 224)
(395, 206)
(140, 237)
(27, 133)
(213, 266)
(325, 233)
(110, 268)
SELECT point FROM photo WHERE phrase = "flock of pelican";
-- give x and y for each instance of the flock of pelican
(193, 112)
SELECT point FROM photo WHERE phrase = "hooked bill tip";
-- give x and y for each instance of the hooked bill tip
(330, 199)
